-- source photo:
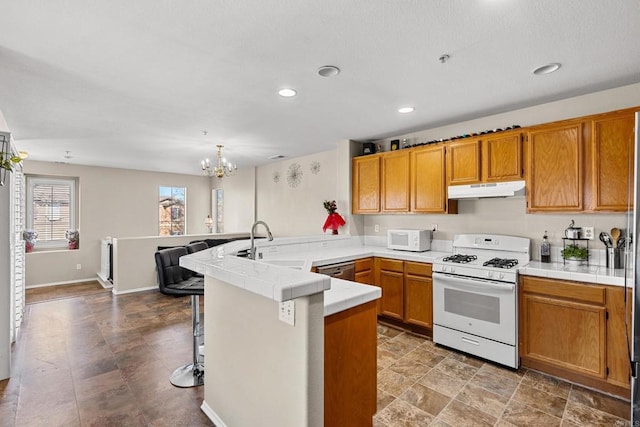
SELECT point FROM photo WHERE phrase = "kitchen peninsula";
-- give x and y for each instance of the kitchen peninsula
(281, 342)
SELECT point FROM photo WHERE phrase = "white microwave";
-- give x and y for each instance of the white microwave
(409, 240)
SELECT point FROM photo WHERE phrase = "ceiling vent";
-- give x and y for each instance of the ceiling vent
(277, 157)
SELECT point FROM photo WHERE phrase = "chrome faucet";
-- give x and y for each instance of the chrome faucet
(252, 252)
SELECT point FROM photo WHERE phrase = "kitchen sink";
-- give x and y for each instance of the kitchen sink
(296, 264)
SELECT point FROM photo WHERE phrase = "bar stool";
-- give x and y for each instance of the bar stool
(178, 281)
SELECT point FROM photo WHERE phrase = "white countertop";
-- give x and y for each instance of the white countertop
(273, 276)
(283, 272)
(588, 274)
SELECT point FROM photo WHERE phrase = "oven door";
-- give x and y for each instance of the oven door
(485, 308)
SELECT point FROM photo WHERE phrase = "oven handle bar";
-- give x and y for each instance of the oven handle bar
(473, 283)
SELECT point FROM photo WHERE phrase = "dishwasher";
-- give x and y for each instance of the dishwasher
(343, 270)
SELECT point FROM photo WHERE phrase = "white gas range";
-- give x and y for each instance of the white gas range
(475, 298)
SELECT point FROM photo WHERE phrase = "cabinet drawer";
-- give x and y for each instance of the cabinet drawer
(417, 268)
(568, 290)
(363, 264)
(391, 265)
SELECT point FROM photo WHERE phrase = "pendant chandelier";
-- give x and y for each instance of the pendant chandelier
(222, 167)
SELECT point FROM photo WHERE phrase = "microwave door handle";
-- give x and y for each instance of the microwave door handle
(473, 283)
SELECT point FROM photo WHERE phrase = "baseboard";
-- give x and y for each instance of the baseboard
(66, 282)
(211, 414)
(106, 283)
(131, 291)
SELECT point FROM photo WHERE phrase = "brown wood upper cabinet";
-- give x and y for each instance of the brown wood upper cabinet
(502, 158)
(428, 185)
(463, 162)
(492, 158)
(411, 180)
(365, 181)
(612, 162)
(555, 167)
(395, 182)
(583, 165)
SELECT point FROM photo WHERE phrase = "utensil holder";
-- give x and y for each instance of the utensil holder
(614, 258)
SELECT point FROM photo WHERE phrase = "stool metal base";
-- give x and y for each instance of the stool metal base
(188, 376)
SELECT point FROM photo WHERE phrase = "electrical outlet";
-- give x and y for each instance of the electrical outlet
(376, 228)
(78, 266)
(588, 233)
(287, 312)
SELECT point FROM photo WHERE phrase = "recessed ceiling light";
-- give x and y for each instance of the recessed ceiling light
(287, 93)
(405, 110)
(328, 71)
(547, 69)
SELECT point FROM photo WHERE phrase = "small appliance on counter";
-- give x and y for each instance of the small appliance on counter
(409, 240)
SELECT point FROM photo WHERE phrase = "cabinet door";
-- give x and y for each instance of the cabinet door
(365, 181)
(569, 335)
(555, 168)
(463, 162)
(395, 182)
(617, 355)
(613, 162)
(563, 325)
(502, 158)
(418, 300)
(428, 185)
(389, 275)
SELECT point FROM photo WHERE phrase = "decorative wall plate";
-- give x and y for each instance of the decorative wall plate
(315, 168)
(276, 176)
(294, 175)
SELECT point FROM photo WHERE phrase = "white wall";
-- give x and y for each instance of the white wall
(298, 210)
(239, 200)
(113, 202)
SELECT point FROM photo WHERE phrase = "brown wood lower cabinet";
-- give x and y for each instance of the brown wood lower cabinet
(389, 275)
(575, 331)
(406, 291)
(418, 298)
(350, 357)
(364, 270)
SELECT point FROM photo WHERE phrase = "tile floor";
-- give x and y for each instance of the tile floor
(104, 360)
(421, 384)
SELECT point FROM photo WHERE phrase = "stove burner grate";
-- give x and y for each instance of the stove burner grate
(501, 263)
(460, 259)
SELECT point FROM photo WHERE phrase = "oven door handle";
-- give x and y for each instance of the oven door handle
(473, 283)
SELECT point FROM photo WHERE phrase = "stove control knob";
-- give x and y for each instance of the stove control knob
(489, 274)
(501, 276)
(453, 270)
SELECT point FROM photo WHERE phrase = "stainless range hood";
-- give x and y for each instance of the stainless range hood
(492, 189)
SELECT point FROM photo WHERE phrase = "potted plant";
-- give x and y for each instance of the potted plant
(7, 160)
(575, 254)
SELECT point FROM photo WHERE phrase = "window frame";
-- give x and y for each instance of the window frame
(31, 182)
(160, 221)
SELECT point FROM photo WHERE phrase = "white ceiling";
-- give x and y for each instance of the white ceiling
(133, 84)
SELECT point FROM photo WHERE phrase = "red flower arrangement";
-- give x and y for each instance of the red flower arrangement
(334, 220)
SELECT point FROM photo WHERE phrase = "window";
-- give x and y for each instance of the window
(51, 209)
(172, 211)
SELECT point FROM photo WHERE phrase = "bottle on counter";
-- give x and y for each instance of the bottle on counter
(545, 249)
